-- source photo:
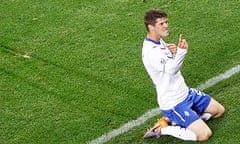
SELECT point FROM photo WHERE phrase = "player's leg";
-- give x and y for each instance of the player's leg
(183, 116)
(162, 128)
(192, 126)
(215, 108)
(179, 132)
(207, 107)
(197, 131)
(186, 115)
(200, 129)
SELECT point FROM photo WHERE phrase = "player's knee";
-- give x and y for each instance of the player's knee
(205, 135)
(221, 111)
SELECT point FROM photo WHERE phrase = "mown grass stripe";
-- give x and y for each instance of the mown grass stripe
(152, 113)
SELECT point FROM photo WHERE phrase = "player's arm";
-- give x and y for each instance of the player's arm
(174, 64)
(169, 65)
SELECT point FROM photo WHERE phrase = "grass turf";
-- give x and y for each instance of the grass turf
(85, 76)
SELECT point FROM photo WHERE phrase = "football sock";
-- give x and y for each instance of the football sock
(178, 132)
(206, 116)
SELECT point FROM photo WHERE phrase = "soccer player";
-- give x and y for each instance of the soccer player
(186, 107)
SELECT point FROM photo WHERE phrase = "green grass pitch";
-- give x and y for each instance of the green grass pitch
(85, 76)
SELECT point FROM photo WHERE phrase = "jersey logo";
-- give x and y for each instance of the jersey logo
(162, 48)
(186, 113)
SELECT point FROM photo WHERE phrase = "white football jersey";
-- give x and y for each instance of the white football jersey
(164, 69)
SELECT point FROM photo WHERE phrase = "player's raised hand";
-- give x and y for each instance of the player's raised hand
(182, 43)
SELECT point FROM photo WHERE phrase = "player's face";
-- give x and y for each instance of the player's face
(161, 27)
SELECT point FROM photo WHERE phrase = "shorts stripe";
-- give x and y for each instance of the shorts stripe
(178, 114)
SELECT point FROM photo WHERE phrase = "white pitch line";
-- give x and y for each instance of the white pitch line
(219, 78)
(154, 112)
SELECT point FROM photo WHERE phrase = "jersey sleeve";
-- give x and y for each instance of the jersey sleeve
(163, 63)
(173, 65)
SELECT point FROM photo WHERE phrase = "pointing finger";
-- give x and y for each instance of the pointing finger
(180, 40)
(180, 37)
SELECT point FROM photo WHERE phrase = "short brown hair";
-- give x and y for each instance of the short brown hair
(152, 15)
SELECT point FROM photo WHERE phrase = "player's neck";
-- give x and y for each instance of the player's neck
(153, 37)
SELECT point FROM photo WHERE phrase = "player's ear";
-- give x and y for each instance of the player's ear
(150, 27)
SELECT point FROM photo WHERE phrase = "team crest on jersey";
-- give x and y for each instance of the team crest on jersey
(163, 61)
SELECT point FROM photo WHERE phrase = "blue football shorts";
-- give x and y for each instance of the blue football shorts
(188, 111)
